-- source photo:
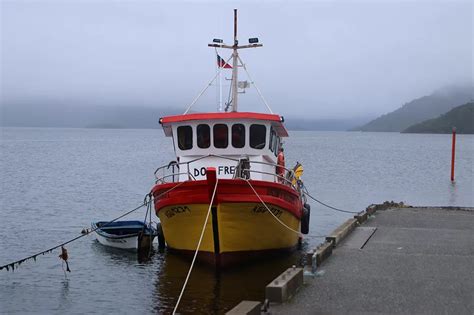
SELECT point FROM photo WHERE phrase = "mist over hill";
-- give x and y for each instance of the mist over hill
(461, 117)
(88, 116)
(421, 109)
(138, 117)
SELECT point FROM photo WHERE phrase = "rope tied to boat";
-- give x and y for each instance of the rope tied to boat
(197, 248)
(17, 263)
(142, 235)
(268, 209)
(305, 192)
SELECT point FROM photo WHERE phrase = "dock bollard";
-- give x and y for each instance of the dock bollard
(282, 288)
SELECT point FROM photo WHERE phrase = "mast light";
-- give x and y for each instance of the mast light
(253, 40)
(217, 40)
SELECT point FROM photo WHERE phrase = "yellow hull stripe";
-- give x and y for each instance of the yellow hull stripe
(242, 227)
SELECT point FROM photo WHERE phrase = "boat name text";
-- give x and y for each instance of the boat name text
(220, 170)
(176, 210)
(261, 209)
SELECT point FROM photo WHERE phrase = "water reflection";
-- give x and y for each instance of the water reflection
(122, 256)
(64, 301)
(214, 291)
(453, 193)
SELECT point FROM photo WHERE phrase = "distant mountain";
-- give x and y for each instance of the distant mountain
(421, 109)
(461, 117)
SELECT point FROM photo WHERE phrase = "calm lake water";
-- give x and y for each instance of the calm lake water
(54, 182)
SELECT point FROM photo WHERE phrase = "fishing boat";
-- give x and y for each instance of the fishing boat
(228, 180)
(129, 235)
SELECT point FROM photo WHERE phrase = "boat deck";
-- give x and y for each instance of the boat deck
(418, 261)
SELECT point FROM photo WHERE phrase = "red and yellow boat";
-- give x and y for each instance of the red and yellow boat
(226, 164)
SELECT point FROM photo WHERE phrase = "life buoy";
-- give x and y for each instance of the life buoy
(281, 164)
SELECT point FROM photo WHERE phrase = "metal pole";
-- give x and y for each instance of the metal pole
(220, 92)
(219, 87)
(256, 87)
(453, 153)
(203, 90)
(234, 66)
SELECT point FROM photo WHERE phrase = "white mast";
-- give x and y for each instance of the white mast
(235, 58)
(219, 86)
(220, 92)
(235, 73)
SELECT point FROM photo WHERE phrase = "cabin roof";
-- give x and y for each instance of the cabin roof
(276, 120)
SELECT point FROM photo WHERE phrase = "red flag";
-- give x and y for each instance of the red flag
(222, 64)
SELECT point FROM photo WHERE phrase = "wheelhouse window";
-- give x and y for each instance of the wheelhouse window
(258, 136)
(203, 136)
(272, 140)
(185, 137)
(276, 145)
(238, 136)
(221, 136)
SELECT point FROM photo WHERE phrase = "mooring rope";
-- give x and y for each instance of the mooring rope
(268, 209)
(305, 191)
(49, 250)
(197, 249)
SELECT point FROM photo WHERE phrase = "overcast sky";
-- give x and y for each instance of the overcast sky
(324, 58)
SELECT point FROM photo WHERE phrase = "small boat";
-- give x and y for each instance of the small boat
(130, 235)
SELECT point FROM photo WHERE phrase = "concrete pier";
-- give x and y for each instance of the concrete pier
(400, 260)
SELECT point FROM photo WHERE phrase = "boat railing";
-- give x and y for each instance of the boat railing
(162, 180)
(172, 172)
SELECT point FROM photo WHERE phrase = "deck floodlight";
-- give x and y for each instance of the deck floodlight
(253, 40)
(217, 40)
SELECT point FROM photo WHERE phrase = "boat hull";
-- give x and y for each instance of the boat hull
(239, 228)
(124, 235)
(127, 243)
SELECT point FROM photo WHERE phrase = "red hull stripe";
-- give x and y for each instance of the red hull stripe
(275, 119)
(230, 191)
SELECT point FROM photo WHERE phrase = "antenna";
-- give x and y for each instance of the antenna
(253, 43)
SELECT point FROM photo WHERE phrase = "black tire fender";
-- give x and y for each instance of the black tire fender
(305, 218)
(160, 236)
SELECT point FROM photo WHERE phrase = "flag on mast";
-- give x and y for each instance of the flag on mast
(222, 64)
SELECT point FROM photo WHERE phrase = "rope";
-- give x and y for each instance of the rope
(204, 90)
(49, 250)
(197, 249)
(140, 237)
(281, 222)
(326, 205)
(256, 87)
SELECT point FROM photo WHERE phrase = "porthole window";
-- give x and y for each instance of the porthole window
(221, 136)
(258, 136)
(238, 136)
(185, 137)
(203, 136)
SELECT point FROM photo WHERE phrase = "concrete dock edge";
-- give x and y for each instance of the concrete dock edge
(286, 285)
(246, 308)
(341, 232)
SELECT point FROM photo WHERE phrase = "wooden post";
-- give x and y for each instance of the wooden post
(453, 153)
